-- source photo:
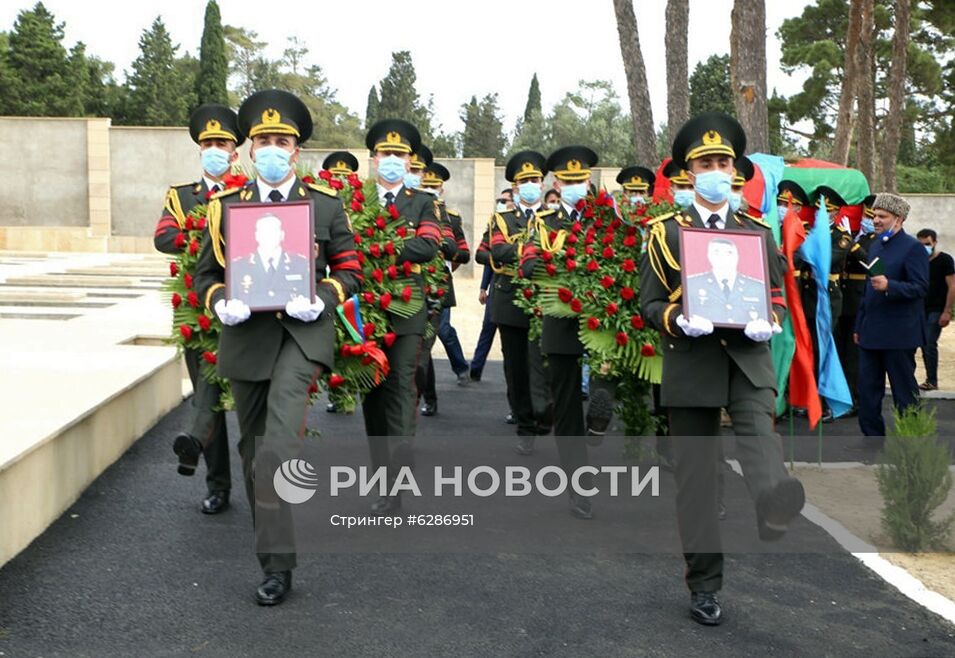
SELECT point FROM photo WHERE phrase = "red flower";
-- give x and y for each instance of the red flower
(608, 253)
(200, 223)
(193, 247)
(176, 300)
(608, 238)
(210, 357)
(357, 195)
(570, 252)
(528, 293)
(375, 250)
(577, 227)
(626, 293)
(389, 339)
(552, 236)
(188, 223)
(390, 248)
(571, 239)
(636, 322)
(392, 272)
(607, 282)
(580, 204)
(335, 381)
(588, 213)
(325, 175)
(192, 299)
(369, 329)
(611, 308)
(570, 264)
(593, 323)
(361, 256)
(615, 224)
(232, 181)
(369, 232)
(622, 338)
(565, 295)
(431, 269)
(173, 269)
(354, 180)
(589, 251)
(592, 265)
(440, 293)
(186, 331)
(385, 301)
(356, 205)
(406, 268)
(369, 297)
(380, 223)
(187, 280)
(629, 265)
(205, 323)
(335, 184)
(402, 231)
(547, 256)
(378, 275)
(630, 241)
(357, 239)
(576, 305)
(312, 389)
(180, 240)
(393, 211)
(551, 269)
(308, 179)
(647, 350)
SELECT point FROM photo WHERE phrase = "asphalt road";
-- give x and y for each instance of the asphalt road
(133, 569)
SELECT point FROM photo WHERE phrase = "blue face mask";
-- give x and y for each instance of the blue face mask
(391, 169)
(412, 180)
(571, 194)
(215, 161)
(683, 198)
(272, 163)
(735, 200)
(636, 199)
(929, 249)
(714, 186)
(867, 226)
(530, 193)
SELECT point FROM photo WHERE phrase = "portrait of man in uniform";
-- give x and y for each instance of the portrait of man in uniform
(267, 266)
(725, 277)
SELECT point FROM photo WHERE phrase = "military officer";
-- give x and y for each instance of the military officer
(680, 185)
(723, 295)
(637, 184)
(214, 128)
(389, 409)
(524, 370)
(560, 344)
(272, 358)
(269, 277)
(706, 368)
(455, 249)
(340, 163)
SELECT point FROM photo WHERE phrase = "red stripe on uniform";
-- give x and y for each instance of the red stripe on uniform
(341, 255)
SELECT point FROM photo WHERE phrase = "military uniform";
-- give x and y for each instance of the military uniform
(340, 163)
(272, 358)
(722, 369)
(262, 283)
(208, 426)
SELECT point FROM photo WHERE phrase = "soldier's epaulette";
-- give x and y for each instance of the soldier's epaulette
(756, 220)
(324, 189)
(179, 185)
(226, 192)
(545, 213)
(454, 213)
(842, 228)
(661, 218)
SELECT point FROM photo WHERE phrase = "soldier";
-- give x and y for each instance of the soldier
(501, 249)
(270, 276)
(744, 172)
(456, 252)
(421, 159)
(272, 358)
(560, 343)
(213, 128)
(722, 294)
(705, 368)
(340, 163)
(389, 409)
(637, 184)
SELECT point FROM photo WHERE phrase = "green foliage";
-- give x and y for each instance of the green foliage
(398, 96)
(924, 180)
(710, 89)
(914, 479)
(592, 116)
(213, 65)
(533, 106)
(161, 88)
(372, 107)
(483, 129)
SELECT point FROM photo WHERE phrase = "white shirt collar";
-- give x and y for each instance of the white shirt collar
(535, 207)
(285, 188)
(705, 213)
(210, 183)
(382, 191)
(569, 209)
(264, 258)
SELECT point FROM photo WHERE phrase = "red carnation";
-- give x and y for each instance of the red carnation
(440, 293)
(576, 305)
(551, 269)
(200, 223)
(354, 180)
(369, 329)
(626, 293)
(565, 295)
(611, 308)
(647, 350)
(193, 247)
(357, 239)
(389, 339)
(393, 211)
(378, 275)
(369, 297)
(369, 232)
(547, 256)
(593, 323)
(390, 248)
(592, 265)
(173, 269)
(528, 293)
(402, 231)
(629, 265)
(630, 241)
(357, 195)
(210, 357)
(570, 252)
(188, 223)
(180, 240)
(176, 300)
(187, 280)
(192, 299)
(589, 213)
(307, 178)
(407, 266)
(385, 301)
(615, 224)
(607, 239)
(356, 205)
(571, 239)
(580, 204)
(577, 227)
(380, 223)
(186, 331)
(431, 269)
(233, 181)
(361, 256)
(631, 230)
(636, 322)
(570, 264)
(589, 251)
(392, 272)
(335, 184)
(325, 175)
(335, 381)
(205, 323)
(375, 250)
(608, 253)
(622, 338)
(607, 281)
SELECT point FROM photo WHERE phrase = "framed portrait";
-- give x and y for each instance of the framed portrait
(725, 276)
(269, 253)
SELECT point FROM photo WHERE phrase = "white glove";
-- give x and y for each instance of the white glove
(761, 330)
(232, 312)
(301, 309)
(695, 326)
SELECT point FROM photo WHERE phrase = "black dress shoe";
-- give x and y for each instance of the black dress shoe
(215, 502)
(188, 450)
(510, 419)
(475, 376)
(331, 408)
(463, 379)
(777, 507)
(705, 608)
(580, 507)
(599, 413)
(525, 445)
(274, 588)
(429, 408)
(386, 505)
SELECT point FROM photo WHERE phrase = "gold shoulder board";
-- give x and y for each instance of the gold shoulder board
(324, 189)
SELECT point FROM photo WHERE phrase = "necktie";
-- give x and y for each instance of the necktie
(574, 215)
(712, 221)
(389, 199)
(271, 266)
(726, 288)
(276, 197)
(215, 189)
(528, 214)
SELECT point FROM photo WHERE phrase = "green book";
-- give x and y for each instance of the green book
(874, 267)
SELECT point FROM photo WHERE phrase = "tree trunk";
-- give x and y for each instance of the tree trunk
(840, 147)
(748, 71)
(865, 85)
(893, 122)
(637, 89)
(678, 79)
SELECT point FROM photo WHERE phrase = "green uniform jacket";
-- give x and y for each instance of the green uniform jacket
(501, 250)
(454, 248)
(853, 280)
(248, 350)
(420, 210)
(696, 370)
(180, 200)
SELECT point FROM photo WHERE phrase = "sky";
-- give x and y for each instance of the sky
(458, 49)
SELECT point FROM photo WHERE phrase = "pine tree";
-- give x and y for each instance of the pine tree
(213, 65)
(533, 106)
(710, 86)
(372, 108)
(399, 98)
(158, 95)
(483, 129)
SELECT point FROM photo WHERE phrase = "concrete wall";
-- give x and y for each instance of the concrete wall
(935, 211)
